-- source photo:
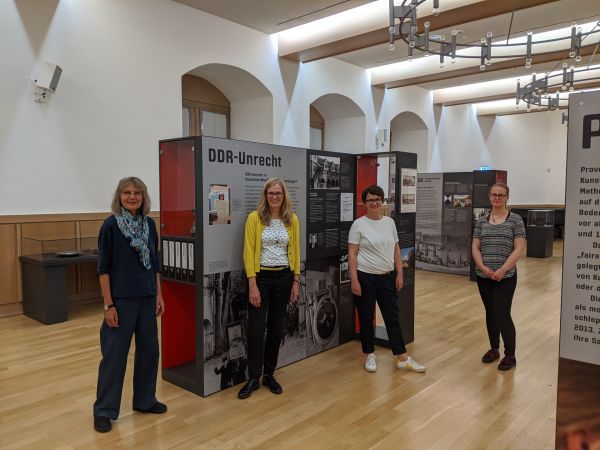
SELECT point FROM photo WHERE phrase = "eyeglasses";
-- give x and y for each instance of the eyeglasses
(498, 195)
(275, 194)
(129, 193)
(373, 200)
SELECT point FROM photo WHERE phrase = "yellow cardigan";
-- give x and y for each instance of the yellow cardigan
(252, 239)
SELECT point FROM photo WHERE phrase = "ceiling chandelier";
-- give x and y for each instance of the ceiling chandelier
(403, 25)
(552, 89)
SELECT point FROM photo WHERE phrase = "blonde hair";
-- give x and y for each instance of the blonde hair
(286, 212)
(116, 206)
(506, 189)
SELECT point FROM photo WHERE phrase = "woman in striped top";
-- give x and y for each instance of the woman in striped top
(498, 242)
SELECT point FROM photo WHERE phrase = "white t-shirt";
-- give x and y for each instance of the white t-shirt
(376, 240)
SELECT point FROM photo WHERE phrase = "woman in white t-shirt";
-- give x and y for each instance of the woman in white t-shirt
(376, 275)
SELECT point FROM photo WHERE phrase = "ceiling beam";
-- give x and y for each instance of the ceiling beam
(500, 65)
(458, 16)
(508, 95)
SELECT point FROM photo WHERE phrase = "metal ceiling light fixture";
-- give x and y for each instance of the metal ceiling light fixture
(404, 26)
(546, 91)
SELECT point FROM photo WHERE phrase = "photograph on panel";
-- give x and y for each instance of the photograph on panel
(322, 316)
(408, 264)
(219, 206)
(324, 172)
(462, 201)
(225, 323)
(480, 213)
(409, 179)
(344, 269)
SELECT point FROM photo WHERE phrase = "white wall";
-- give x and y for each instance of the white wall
(120, 92)
(417, 101)
(345, 135)
(252, 120)
(408, 133)
(526, 145)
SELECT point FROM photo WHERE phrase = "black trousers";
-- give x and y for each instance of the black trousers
(380, 288)
(497, 299)
(136, 316)
(275, 287)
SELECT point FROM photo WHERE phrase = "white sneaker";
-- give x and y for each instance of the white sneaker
(410, 364)
(370, 363)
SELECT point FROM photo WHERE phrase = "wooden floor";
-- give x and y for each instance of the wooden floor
(48, 381)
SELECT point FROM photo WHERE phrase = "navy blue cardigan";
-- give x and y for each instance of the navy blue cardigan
(128, 277)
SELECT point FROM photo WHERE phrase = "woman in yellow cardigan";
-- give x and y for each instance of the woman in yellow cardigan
(272, 262)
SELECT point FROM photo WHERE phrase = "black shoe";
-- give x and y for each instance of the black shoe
(274, 386)
(102, 424)
(157, 408)
(490, 356)
(507, 363)
(248, 388)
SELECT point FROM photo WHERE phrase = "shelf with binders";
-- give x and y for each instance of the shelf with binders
(178, 255)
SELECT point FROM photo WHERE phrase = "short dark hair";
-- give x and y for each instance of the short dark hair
(373, 190)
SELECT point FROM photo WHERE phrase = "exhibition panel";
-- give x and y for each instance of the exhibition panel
(578, 390)
(448, 204)
(330, 213)
(208, 187)
(396, 174)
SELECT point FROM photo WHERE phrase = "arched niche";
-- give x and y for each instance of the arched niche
(408, 133)
(344, 123)
(251, 103)
(206, 110)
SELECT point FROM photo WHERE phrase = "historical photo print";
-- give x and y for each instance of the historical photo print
(225, 324)
(324, 172)
(322, 317)
(219, 207)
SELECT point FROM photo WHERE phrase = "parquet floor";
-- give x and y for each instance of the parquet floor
(48, 378)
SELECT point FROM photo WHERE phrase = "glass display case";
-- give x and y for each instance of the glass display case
(540, 233)
(540, 218)
(45, 264)
(180, 244)
(51, 248)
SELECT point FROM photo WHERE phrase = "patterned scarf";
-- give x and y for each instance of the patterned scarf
(136, 230)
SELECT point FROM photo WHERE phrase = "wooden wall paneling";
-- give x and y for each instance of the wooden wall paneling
(82, 283)
(9, 287)
(88, 279)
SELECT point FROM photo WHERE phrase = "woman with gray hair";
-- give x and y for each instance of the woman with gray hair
(129, 273)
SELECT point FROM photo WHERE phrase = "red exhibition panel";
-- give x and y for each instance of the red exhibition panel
(178, 324)
(177, 192)
(366, 175)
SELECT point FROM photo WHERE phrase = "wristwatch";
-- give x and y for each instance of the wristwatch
(107, 307)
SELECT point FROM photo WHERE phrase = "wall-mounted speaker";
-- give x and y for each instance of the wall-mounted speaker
(48, 77)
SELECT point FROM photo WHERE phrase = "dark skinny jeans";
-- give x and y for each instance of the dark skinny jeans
(275, 287)
(497, 299)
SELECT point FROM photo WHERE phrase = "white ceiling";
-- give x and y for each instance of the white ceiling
(272, 16)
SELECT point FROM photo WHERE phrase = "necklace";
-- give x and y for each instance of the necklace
(496, 219)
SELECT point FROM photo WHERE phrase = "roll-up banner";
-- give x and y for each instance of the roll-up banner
(578, 399)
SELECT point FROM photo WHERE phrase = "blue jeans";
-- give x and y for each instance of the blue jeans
(137, 316)
(380, 288)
